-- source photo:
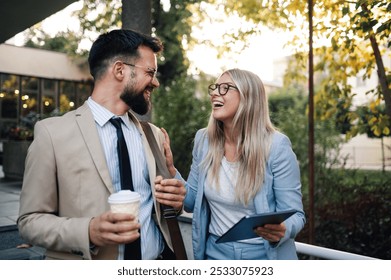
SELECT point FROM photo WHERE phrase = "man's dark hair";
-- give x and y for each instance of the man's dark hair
(116, 43)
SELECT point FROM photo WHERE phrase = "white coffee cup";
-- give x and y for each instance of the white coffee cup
(125, 201)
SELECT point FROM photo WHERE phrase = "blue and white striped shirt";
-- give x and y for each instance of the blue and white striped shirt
(152, 241)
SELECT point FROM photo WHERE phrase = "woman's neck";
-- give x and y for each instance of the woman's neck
(230, 145)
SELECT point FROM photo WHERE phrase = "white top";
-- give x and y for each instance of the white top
(225, 209)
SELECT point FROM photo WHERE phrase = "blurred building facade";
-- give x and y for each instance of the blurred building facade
(35, 84)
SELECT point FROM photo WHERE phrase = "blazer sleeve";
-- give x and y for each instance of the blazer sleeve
(194, 174)
(287, 185)
(39, 221)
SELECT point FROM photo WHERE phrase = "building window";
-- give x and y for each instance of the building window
(67, 96)
(9, 103)
(49, 98)
(24, 100)
(83, 92)
(9, 96)
(29, 97)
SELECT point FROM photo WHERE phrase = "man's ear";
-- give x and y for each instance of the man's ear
(118, 70)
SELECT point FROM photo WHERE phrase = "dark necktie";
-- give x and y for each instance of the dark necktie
(132, 250)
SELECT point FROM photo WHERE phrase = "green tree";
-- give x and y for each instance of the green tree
(178, 110)
(356, 33)
(170, 25)
(372, 125)
(65, 42)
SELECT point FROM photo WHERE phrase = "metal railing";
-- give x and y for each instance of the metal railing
(301, 248)
(327, 254)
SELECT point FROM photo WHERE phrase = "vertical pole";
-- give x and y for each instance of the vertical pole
(137, 15)
(311, 127)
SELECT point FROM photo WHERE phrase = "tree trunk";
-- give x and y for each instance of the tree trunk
(381, 72)
(137, 15)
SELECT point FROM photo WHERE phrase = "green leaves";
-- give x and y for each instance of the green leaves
(374, 121)
(177, 110)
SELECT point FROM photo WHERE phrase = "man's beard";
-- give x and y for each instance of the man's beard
(136, 100)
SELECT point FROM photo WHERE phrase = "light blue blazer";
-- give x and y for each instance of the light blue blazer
(281, 191)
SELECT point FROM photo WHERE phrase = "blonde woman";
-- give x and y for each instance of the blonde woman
(241, 166)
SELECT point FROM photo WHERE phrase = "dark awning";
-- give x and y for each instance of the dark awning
(18, 15)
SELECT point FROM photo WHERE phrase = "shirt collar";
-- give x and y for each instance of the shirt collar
(102, 115)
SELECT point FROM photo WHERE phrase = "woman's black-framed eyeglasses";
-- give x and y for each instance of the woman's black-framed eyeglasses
(223, 88)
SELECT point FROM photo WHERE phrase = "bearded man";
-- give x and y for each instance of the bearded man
(72, 165)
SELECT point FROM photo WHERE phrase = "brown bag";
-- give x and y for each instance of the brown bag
(168, 212)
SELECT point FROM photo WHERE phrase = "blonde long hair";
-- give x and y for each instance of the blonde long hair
(254, 135)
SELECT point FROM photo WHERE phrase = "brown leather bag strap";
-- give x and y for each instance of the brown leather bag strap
(168, 212)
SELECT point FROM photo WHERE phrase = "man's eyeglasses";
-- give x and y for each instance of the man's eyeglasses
(150, 71)
(223, 88)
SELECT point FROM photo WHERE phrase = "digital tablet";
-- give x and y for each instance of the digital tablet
(244, 229)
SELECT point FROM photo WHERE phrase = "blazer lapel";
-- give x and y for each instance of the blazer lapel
(150, 163)
(152, 174)
(86, 123)
(147, 150)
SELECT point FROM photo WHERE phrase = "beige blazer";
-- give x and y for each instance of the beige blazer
(67, 182)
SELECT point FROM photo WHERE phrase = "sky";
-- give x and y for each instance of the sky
(258, 57)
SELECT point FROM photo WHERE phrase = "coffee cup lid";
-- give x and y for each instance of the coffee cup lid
(124, 196)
